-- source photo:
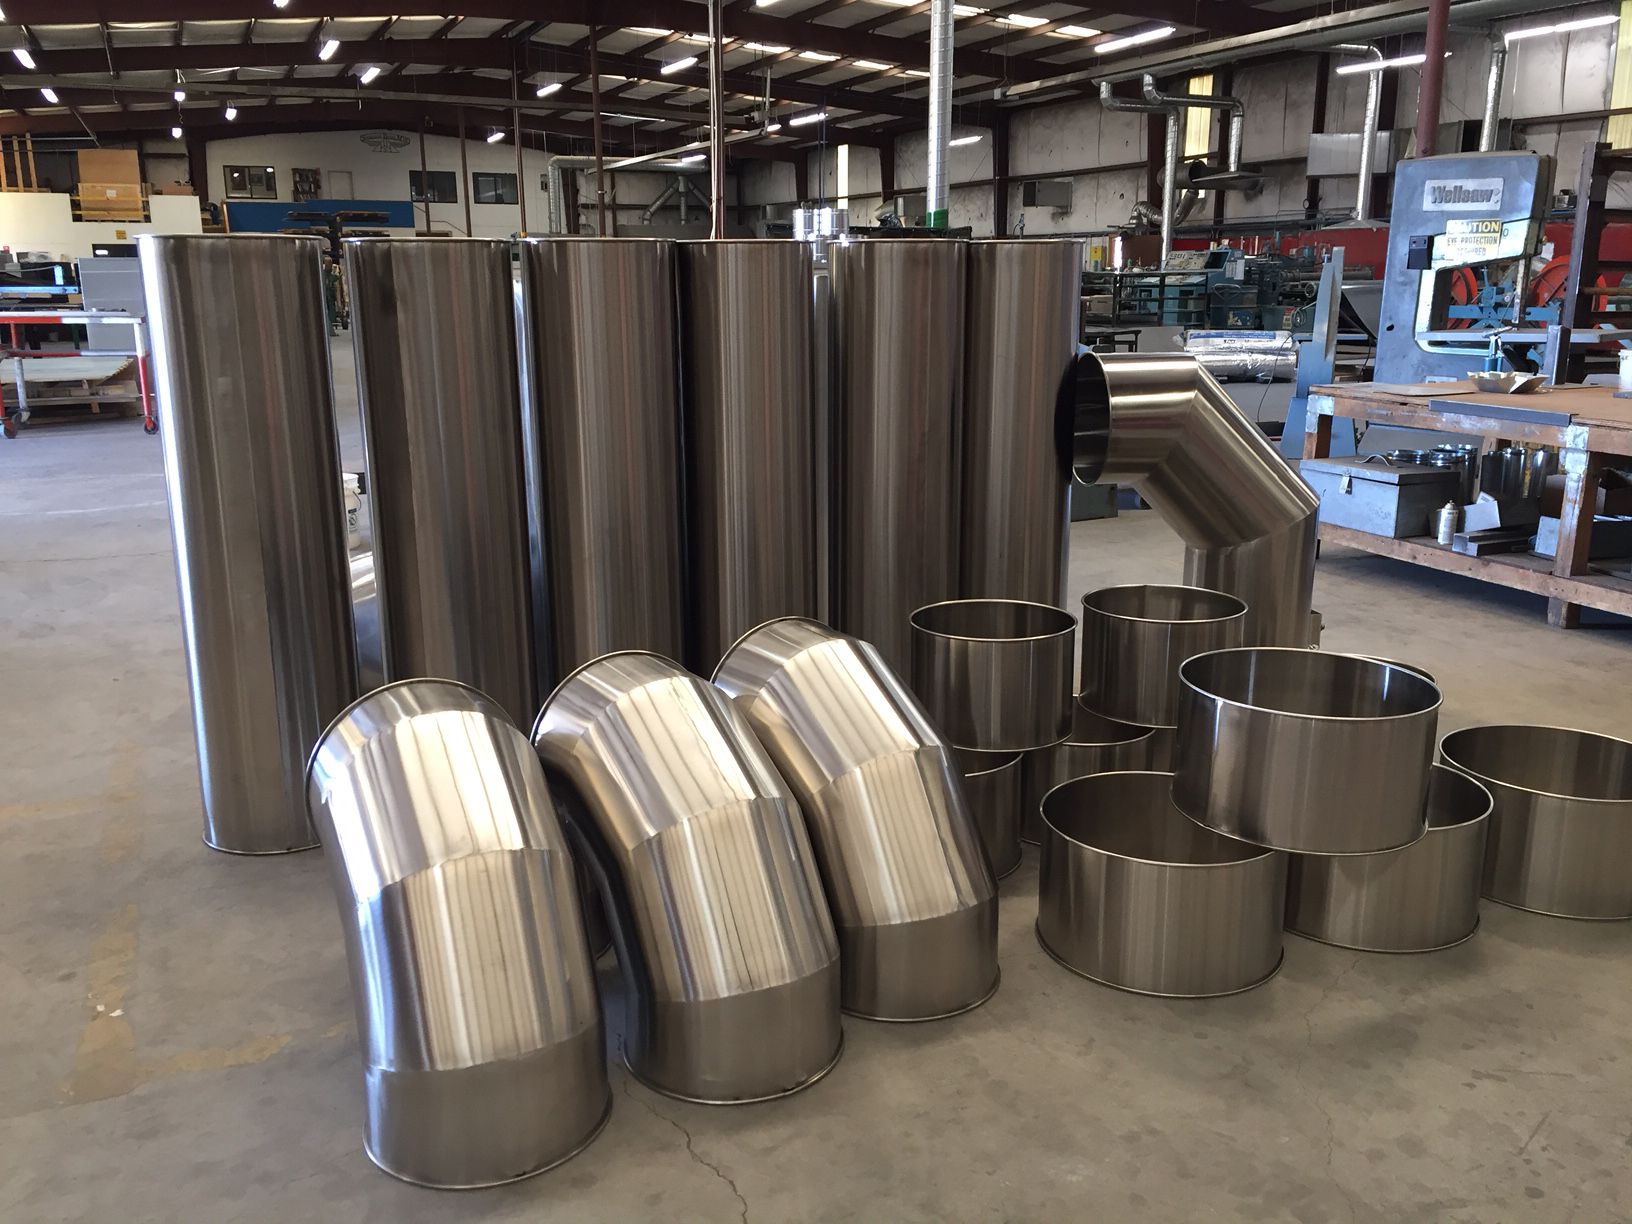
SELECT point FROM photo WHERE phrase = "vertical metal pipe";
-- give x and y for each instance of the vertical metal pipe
(899, 319)
(1493, 96)
(1170, 180)
(424, 177)
(600, 151)
(252, 470)
(444, 440)
(1019, 355)
(521, 176)
(1433, 78)
(464, 170)
(1368, 128)
(716, 122)
(750, 422)
(607, 462)
(940, 110)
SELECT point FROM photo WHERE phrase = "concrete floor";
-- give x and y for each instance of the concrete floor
(176, 1038)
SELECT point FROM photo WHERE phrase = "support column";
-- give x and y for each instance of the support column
(1433, 78)
(1323, 85)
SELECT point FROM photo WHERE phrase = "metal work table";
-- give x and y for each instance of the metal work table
(1592, 431)
(138, 352)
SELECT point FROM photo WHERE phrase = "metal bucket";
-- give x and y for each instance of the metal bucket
(1304, 750)
(1096, 745)
(477, 1013)
(1133, 895)
(995, 674)
(1419, 899)
(1135, 637)
(900, 853)
(991, 786)
(707, 872)
(1561, 830)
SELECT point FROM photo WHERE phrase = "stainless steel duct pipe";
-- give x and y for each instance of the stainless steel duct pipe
(706, 866)
(1182, 102)
(940, 111)
(478, 1019)
(1161, 423)
(1170, 155)
(443, 433)
(1368, 133)
(1025, 303)
(604, 461)
(751, 422)
(1493, 96)
(252, 472)
(900, 853)
(898, 345)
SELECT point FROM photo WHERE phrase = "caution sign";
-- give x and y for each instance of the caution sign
(1471, 241)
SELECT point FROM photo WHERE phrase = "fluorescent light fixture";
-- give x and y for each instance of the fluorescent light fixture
(697, 157)
(1154, 34)
(966, 10)
(650, 31)
(964, 140)
(1563, 27)
(763, 3)
(175, 133)
(871, 65)
(917, 72)
(280, 3)
(368, 74)
(1021, 20)
(49, 94)
(812, 117)
(23, 57)
(1076, 31)
(820, 57)
(1399, 61)
(181, 95)
(232, 113)
(773, 127)
(329, 47)
(678, 65)
(494, 137)
(767, 48)
(548, 88)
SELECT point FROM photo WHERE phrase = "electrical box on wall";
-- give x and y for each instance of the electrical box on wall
(1046, 193)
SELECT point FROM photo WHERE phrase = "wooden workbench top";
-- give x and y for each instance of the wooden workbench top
(1586, 405)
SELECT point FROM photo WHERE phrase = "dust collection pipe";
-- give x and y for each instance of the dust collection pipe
(900, 854)
(716, 121)
(940, 111)
(478, 1018)
(1182, 102)
(252, 474)
(1170, 155)
(721, 930)
(443, 436)
(1368, 128)
(1493, 96)
(1162, 423)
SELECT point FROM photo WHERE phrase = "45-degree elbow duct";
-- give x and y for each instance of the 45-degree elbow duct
(1161, 423)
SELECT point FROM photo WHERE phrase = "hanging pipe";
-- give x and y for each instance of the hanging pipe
(1368, 130)
(940, 110)
(1170, 156)
(1238, 114)
(716, 123)
(1493, 96)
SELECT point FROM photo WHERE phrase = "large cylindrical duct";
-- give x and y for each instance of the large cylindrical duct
(899, 336)
(252, 470)
(477, 1013)
(749, 408)
(1368, 129)
(1025, 301)
(1494, 82)
(941, 51)
(604, 467)
(434, 330)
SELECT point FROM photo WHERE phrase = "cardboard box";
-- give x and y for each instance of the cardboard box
(1614, 495)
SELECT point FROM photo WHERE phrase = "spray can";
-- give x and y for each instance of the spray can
(1445, 522)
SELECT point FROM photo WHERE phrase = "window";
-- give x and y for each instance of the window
(251, 183)
(444, 187)
(1198, 120)
(493, 188)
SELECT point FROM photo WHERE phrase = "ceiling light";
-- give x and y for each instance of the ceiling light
(369, 73)
(175, 133)
(494, 137)
(697, 157)
(1399, 61)
(650, 31)
(232, 113)
(280, 3)
(820, 57)
(50, 95)
(1076, 31)
(917, 72)
(872, 65)
(549, 88)
(181, 95)
(329, 47)
(1021, 20)
(767, 48)
(773, 127)
(23, 57)
(763, 3)
(1155, 34)
(966, 10)
(678, 65)
(812, 117)
(964, 140)
(1563, 27)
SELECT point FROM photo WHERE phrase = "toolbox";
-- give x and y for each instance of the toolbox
(1379, 497)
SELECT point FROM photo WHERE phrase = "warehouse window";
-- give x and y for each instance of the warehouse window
(444, 187)
(1198, 121)
(251, 183)
(493, 188)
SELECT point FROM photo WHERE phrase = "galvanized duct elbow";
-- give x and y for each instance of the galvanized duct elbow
(1170, 158)
(1180, 102)
(1161, 423)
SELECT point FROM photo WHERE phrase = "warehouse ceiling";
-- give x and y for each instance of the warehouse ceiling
(833, 71)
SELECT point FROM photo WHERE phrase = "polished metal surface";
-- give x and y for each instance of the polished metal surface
(478, 1018)
(1161, 423)
(1133, 895)
(433, 324)
(1561, 829)
(995, 674)
(991, 787)
(1304, 750)
(900, 852)
(1135, 637)
(707, 872)
(1418, 899)
(1019, 355)
(604, 464)
(749, 409)
(1096, 745)
(365, 615)
(252, 472)
(898, 340)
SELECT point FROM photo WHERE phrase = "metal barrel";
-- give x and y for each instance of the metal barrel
(1096, 745)
(1303, 750)
(991, 787)
(995, 674)
(1020, 347)
(477, 1011)
(750, 415)
(443, 434)
(1561, 828)
(1133, 895)
(604, 464)
(1135, 637)
(707, 870)
(1418, 899)
(898, 336)
(900, 852)
(252, 472)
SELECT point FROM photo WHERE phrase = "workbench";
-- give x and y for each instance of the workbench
(1592, 431)
(69, 367)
